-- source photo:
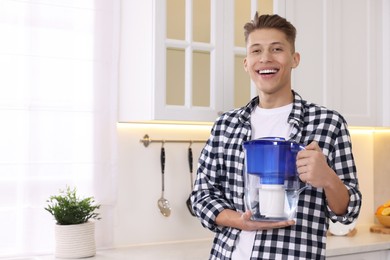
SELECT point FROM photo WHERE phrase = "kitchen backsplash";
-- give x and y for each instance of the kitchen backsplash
(381, 166)
(137, 217)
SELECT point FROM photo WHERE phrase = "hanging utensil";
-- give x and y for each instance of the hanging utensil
(163, 204)
(190, 164)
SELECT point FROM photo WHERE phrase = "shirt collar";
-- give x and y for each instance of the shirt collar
(296, 116)
(246, 111)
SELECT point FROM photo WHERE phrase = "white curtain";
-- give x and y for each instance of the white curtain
(58, 82)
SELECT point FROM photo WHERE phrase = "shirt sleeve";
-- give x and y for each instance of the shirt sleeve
(344, 165)
(208, 198)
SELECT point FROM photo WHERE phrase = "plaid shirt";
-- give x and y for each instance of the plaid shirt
(220, 183)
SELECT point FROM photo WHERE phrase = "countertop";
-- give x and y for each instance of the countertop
(363, 241)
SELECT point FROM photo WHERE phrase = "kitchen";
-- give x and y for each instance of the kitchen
(367, 142)
(136, 222)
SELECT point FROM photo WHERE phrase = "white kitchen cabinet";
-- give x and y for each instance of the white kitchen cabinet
(209, 79)
(150, 89)
(345, 59)
(377, 255)
(344, 56)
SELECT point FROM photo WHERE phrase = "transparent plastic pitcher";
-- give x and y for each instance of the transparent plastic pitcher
(272, 185)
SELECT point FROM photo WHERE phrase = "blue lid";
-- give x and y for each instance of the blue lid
(272, 158)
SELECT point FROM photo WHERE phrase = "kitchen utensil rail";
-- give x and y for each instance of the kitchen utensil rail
(147, 140)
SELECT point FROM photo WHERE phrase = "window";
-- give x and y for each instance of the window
(58, 112)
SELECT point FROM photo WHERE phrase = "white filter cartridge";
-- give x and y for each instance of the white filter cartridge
(271, 200)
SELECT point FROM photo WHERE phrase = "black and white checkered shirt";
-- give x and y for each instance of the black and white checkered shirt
(220, 184)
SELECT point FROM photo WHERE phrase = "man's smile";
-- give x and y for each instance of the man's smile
(267, 71)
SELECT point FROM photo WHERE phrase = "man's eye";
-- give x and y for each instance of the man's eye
(255, 51)
(277, 49)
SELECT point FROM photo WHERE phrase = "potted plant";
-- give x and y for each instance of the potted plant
(74, 230)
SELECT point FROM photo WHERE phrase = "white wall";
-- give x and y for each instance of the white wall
(138, 219)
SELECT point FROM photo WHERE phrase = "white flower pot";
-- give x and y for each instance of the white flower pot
(75, 241)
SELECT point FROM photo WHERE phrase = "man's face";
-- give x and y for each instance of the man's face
(269, 61)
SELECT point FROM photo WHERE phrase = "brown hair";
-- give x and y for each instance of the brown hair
(271, 22)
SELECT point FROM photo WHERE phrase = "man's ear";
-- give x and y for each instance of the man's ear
(245, 65)
(296, 60)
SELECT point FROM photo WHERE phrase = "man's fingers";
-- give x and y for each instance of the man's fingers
(313, 146)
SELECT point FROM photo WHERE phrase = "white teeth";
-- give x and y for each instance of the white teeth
(271, 71)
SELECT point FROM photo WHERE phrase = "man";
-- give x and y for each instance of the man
(326, 164)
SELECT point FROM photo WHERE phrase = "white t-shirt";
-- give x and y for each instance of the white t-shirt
(265, 123)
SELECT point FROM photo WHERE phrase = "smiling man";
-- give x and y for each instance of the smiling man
(327, 163)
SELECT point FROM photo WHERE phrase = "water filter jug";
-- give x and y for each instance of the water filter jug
(272, 185)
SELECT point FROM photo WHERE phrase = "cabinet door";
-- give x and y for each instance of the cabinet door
(188, 58)
(136, 79)
(340, 46)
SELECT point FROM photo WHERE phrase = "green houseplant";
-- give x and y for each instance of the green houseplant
(68, 209)
(74, 232)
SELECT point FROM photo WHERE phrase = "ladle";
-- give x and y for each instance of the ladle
(163, 204)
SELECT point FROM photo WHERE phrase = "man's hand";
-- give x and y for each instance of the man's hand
(231, 218)
(312, 166)
(251, 225)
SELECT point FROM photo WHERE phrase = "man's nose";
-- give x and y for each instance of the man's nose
(265, 56)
